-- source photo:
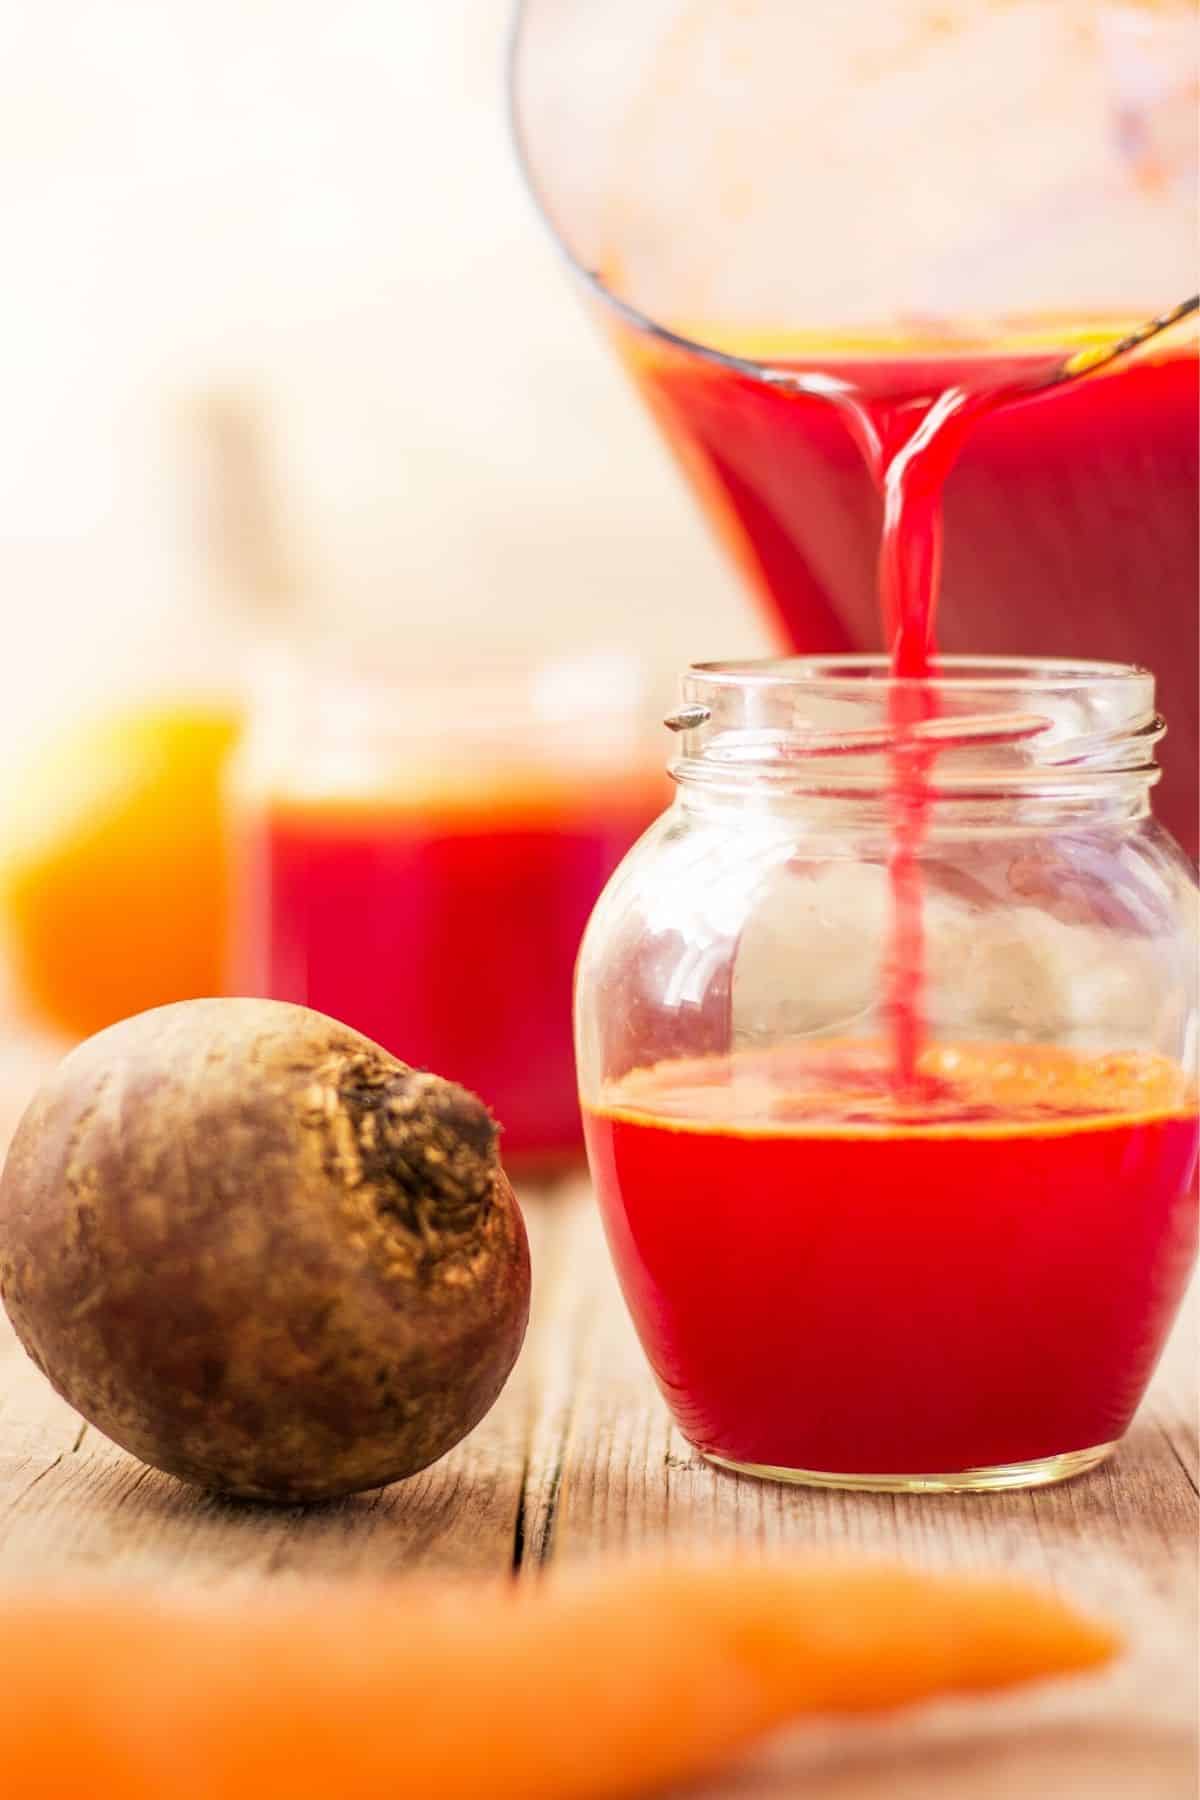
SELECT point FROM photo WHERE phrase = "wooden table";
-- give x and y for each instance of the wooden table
(579, 1457)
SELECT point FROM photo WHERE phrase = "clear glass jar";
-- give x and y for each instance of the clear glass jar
(417, 855)
(844, 1278)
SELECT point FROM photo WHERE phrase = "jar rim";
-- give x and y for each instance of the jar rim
(959, 674)
(998, 725)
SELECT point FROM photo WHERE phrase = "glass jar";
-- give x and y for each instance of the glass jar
(418, 856)
(839, 1276)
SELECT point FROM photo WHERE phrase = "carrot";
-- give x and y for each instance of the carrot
(588, 1686)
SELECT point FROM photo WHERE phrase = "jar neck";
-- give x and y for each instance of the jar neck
(981, 745)
(871, 818)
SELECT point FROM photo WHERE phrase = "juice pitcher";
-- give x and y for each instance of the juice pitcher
(800, 226)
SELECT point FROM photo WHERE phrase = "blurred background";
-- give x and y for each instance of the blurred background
(312, 209)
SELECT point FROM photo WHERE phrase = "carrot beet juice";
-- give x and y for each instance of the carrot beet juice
(445, 926)
(827, 1279)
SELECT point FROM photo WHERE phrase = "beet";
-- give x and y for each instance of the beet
(260, 1253)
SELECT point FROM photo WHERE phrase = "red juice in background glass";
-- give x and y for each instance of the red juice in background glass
(447, 932)
(844, 1282)
(419, 857)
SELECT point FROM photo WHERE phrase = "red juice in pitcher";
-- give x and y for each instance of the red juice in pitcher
(1070, 519)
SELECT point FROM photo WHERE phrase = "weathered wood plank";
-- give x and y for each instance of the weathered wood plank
(560, 1331)
(95, 1512)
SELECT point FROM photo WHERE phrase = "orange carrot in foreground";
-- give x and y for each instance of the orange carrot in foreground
(597, 1686)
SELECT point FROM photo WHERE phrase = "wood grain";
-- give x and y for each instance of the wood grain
(580, 1458)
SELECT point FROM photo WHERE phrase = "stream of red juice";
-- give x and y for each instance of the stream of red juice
(909, 453)
(1082, 514)
(912, 478)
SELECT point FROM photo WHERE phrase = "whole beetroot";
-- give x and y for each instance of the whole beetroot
(260, 1253)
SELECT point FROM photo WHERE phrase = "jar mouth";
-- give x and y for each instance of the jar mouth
(985, 724)
(960, 674)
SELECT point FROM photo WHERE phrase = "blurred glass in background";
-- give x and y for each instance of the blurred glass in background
(419, 854)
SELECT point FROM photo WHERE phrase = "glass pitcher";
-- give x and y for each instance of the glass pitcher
(772, 207)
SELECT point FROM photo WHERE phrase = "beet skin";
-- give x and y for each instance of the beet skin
(260, 1253)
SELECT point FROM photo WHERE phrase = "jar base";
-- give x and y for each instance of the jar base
(1041, 1472)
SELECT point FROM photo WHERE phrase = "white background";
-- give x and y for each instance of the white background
(316, 206)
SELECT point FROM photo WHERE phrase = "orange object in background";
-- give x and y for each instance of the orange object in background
(112, 867)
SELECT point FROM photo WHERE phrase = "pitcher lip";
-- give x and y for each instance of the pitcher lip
(815, 376)
(625, 309)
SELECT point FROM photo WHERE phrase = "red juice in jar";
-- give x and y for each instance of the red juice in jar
(827, 1281)
(1071, 520)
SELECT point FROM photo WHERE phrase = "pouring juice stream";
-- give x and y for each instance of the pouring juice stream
(910, 552)
(829, 493)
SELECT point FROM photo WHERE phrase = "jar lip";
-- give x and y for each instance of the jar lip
(997, 724)
(848, 673)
